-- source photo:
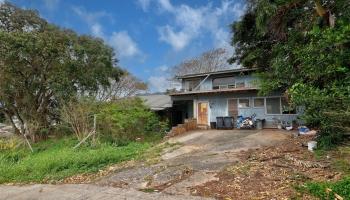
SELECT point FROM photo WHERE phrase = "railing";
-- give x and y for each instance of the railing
(248, 86)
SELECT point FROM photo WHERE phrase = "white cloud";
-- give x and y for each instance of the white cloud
(166, 5)
(163, 68)
(178, 40)
(161, 84)
(121, 41)
(51, 4)
(189, 23)
(96, 30)
(123, 44)
(144, 4)
(92, 19)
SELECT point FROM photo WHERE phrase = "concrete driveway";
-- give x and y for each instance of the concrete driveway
(197, 158)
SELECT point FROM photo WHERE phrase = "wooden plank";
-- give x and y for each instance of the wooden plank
(233, 107)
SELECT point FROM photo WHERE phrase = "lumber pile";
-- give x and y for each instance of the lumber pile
(190, 124)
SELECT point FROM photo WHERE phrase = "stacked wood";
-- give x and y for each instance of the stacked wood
(190, 124)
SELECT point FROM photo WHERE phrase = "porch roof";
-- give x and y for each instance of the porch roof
(157, 102)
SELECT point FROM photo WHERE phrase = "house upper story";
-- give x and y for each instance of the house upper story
(219, 81)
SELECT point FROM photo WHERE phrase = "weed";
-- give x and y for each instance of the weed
(56, 160)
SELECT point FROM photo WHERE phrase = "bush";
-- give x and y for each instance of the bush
(10, 143)
(341, 188)
(2, 117)
(127, 120)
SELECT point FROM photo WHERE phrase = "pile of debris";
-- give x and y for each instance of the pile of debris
(269, 173)
(190, 124)
(5, 131)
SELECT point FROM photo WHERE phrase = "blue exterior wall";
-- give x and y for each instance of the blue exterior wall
(208, 83)
(218, 102)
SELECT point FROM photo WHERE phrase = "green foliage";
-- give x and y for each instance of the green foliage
(302, 55)
(41, 65)
(317, 189)
(2, 117)
(56, 159)
(126, 120)
(10, 143)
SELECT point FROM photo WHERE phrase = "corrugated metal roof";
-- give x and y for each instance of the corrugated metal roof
(157, 101)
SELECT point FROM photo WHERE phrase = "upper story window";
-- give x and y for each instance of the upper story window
(190, 85)
(223, 83)
(240, 84)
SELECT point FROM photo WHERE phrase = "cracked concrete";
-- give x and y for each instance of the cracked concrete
(201, 156)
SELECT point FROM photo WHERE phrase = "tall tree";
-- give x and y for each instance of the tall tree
(42, 65)
(209, 61)
(302, 48)
(126, 86)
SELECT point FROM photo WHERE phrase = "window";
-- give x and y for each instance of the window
(240, 84)
(231, 86)
(287, 108)
(223, 83)
(259, 102)
(192, 84)
(223, 86)
(273, 105)
(243, 103)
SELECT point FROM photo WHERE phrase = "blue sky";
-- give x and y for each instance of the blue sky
(149, 36)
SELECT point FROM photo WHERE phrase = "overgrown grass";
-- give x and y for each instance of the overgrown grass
(319, 189)
(56, 159)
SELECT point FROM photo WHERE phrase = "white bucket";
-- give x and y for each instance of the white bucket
(311, 145)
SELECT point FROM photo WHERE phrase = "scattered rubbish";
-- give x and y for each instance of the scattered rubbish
(288, 128)
(247, 122)
(312, 132)
(303, 130)
(311, 145)
(281, 124)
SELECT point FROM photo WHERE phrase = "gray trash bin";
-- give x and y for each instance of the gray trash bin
(259, 124)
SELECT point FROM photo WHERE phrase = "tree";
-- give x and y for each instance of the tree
(42, 65)
(302, 48)
(209, 61)
(127, 86)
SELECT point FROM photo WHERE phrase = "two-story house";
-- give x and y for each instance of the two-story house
(205, 96)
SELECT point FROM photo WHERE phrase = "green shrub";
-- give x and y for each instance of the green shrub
(341, 188)
(2, 117)
(127, 120)
(10, 143)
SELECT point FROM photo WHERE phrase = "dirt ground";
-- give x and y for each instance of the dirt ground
(196, 160)
(269, 173)
(220, 164)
